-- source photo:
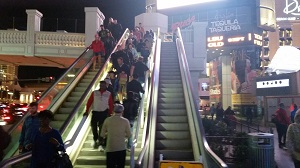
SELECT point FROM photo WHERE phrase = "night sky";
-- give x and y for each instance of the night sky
(123, 10)
(67, 11)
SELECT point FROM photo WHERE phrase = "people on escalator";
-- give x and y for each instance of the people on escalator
(109, 45)
(46, 142)
(117, 30)
(103, 33)
(114, 82)
(109, 87)
(140, 69)
(98, 49)
(30, 126)
(123, 74)
(130, 112)
(116, 129)
(101, 102)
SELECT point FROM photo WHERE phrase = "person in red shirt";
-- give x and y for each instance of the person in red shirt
(98, 48)
(102, 102)
(282, 124)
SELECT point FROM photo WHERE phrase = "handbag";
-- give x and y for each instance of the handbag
(61, 160)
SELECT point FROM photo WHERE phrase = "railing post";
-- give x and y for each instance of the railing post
(33, 25)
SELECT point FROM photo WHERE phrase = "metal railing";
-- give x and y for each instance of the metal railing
(99, 76)
(210, 159)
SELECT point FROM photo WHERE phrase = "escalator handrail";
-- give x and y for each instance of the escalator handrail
(194, 102)
(11, 129)
(153, 108)
(21, 157)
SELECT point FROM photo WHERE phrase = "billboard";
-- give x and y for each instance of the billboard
(287, 10)
(234, 20)
(167, 4)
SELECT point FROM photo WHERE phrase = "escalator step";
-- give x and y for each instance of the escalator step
(172, 126)
(173, 112)
(182, 155)
(175, 144)
(172, 135)
(172, 119)
(171, 106)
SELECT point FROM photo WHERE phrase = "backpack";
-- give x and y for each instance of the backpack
(274, 119)
(122, 78)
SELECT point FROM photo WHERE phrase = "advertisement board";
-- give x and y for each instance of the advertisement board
(231, 20)
(287, 10)
(215, 80)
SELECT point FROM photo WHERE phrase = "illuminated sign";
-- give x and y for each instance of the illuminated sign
(184, 23)
(273, 83)
(224, 26)
(287, 10)
(232, 40)
(167, 4)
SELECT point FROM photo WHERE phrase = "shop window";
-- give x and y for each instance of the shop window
(281, 42)
(288, 32)
(281, 33)
(289, 41)
(266, 52)
(266, 43)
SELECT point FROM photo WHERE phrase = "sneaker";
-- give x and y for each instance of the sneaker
(101, 149)
(94, 144)
(128, 150)
(284, 148)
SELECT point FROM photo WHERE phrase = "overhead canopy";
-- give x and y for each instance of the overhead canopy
(286, 60)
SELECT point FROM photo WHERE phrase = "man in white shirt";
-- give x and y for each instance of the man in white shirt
(116, 129)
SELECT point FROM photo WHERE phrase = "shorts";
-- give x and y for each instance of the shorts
(98, 53)
(122, 88)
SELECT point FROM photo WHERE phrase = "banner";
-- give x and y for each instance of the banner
(180, 164)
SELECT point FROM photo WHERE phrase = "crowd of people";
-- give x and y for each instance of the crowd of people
(114, 106)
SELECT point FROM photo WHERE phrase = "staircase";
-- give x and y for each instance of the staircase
(92, 158)
(173, 139)
(68, 105)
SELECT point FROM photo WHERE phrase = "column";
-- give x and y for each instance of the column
(226, 81)
(33, 25)
(153, 21)
(93, 19)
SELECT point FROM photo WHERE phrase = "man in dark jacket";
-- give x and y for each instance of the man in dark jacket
(282, 125)
(135, 86)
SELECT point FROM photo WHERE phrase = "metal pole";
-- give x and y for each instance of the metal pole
(56, 23)
(13, 22)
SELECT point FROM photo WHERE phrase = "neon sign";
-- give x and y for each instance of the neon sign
(292, 7)
(227, 40)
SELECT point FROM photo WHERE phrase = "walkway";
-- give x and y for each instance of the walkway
(282, 157)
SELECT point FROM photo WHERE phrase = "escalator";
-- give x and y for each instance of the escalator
(173, 139)
(66, 99)
(175, 130)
